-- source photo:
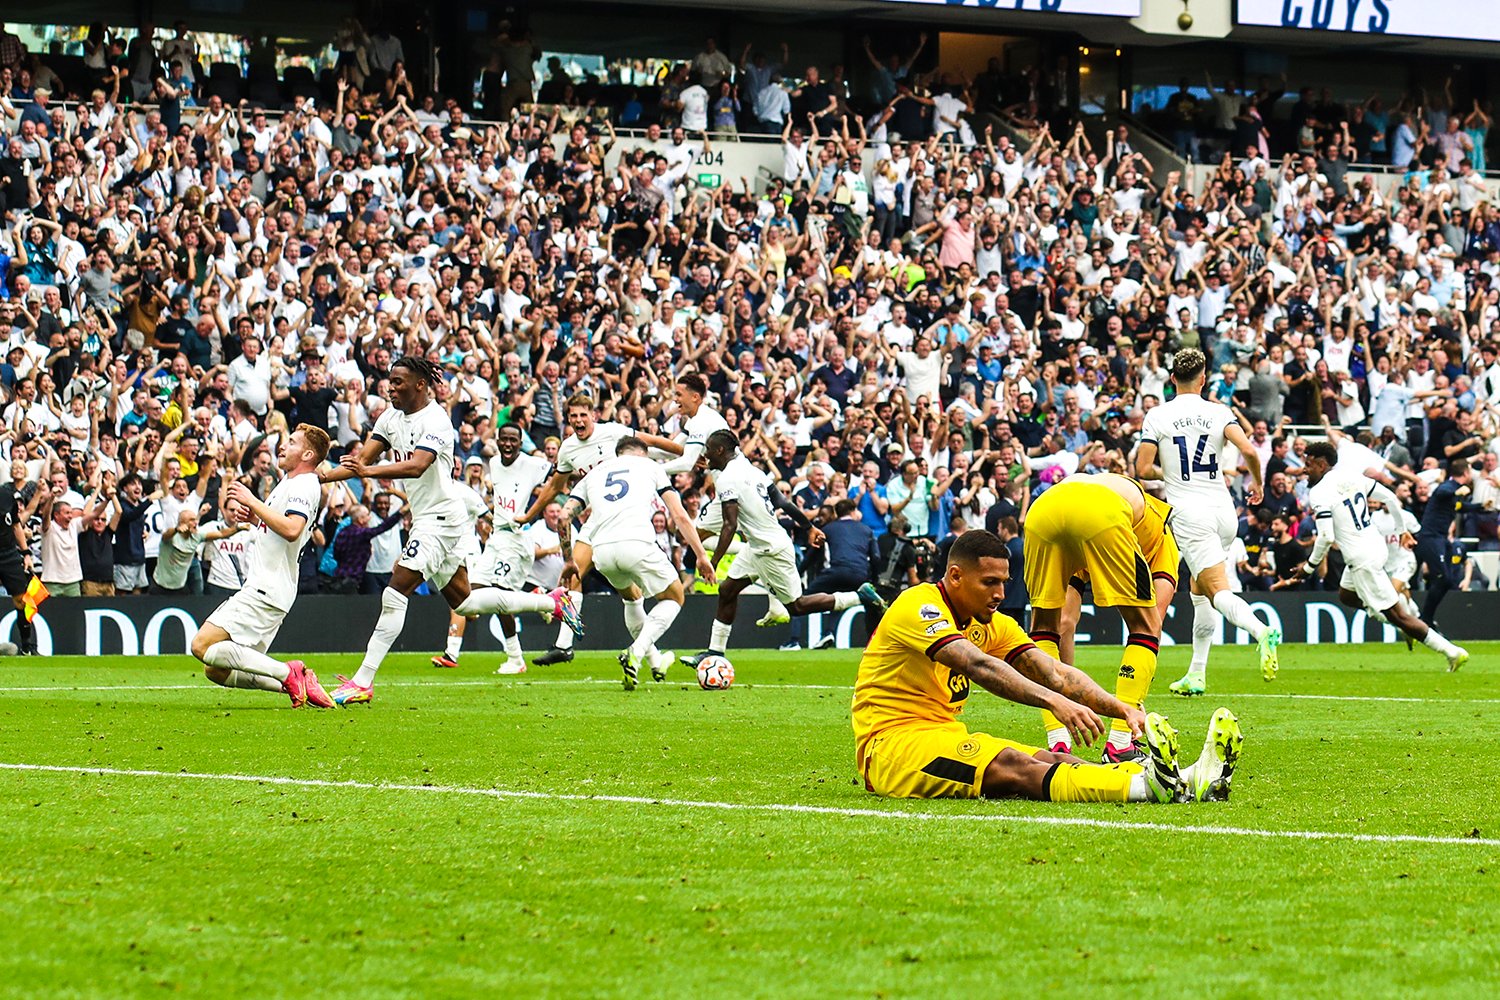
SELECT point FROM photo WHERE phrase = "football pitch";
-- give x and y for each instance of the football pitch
(550, 835)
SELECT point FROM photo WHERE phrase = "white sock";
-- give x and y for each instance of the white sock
(718, 637)
(657, 622)
(565, 634)
(233, 656)
(1205, 620)
(1378, 616)
(1139, 790)
(495, 601)
(775, 607)
(844, 600)
(1234, 608)
(257, 682)
(454, 645)
(387, 630)
(1056, 736)
(635, 616)
(513, 648)
(1410, 606)
(1435, 640)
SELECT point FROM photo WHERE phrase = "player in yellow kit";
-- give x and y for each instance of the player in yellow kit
(1104, 526)
(937, 640)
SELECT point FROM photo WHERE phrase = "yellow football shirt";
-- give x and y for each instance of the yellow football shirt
(899, 682)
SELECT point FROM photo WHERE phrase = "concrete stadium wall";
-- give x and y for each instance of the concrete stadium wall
(324, 624)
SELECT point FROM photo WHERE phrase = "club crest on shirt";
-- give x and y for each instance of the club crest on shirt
(930, 612)
(976, 633)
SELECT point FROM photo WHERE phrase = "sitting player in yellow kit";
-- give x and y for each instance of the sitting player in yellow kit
(915, 676)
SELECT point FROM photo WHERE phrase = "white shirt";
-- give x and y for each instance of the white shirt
(750, 489)
(694, 109)
(251, 381)
(922, 374)
(696, 430)
(271, 571)
(430, 495)
(1340, 505)
(622, 495)
(578, 455)
(546, 570)
(514, 484)
(227, 556)
(1188, 432)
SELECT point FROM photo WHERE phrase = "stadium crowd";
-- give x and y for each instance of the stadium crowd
(917, 327)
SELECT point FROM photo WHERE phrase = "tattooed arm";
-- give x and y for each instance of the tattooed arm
(999, 678)
(571, 509)
(1077, 686)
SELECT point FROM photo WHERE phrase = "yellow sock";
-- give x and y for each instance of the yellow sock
(1090, 782)
(1137, 669)
(1056, 731)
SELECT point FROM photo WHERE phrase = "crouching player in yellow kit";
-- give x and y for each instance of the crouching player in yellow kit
(915, 676)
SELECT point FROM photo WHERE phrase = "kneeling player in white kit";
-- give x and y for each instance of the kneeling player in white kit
(1185, 435)
(232, 643)
(622, 494)
(749, 501)
(499, 576)
(419, 433)
(1340, 500)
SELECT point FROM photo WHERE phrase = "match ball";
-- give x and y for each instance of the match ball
(715, 673)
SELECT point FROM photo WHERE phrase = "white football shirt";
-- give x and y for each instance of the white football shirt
(578, 455)
(271, 567)
(514, 484)
(622, 493)
(750, 488)
(227, 556)
(430, 495)
(1188, 432)
(695, 430)
(1340, 505)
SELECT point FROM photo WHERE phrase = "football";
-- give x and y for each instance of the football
(715, 673)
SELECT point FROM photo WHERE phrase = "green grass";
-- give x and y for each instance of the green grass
(139, 885)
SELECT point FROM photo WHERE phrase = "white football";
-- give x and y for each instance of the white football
(715, 673)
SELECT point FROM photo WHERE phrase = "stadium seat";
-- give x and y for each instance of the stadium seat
(224, 79)
(298, 81)
(263, 87)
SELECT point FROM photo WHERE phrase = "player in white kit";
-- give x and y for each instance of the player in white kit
(232, 642)
(623, 494)
(419, 434)
(748, 501)
(507, 554)
(1340, 500)
(592, 442)
(1180, 444)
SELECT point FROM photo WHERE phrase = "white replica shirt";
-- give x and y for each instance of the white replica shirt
(1188, 432)
(622, 493)
(750, 488)
(271, 569)
(514, 484)
(696, 430)
(578, 455)
(430, 495)
(1341, 509)
(227, 556)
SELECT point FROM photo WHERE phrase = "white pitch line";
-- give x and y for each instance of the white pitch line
(778, 807)
(1227, 695)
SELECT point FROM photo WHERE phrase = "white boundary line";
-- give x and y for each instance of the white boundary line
(778, 807)
(560, 681)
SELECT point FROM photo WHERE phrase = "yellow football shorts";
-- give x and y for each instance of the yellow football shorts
(932, 761)
(1080, 526)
